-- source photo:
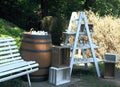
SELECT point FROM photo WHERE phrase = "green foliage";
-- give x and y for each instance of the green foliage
(12, 83)
(66, 7)
(104, 7)
(27, 13)
(11, 30)
(20, 12)
(55, 26)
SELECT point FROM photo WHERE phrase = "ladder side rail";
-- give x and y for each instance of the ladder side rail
(73, 17)
(75, 42)
(90, 42)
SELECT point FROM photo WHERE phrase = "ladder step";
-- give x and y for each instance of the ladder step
(81, 46)
(85, 60)
(76, 19)
(83, 33)
(74, 33)
(69, 33)
(86, 46)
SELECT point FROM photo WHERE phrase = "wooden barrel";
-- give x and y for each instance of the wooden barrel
(37, 48)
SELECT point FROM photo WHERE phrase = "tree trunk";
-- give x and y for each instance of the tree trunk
(44, 7)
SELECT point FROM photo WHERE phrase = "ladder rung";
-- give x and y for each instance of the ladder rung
(70, 33)
(85, 60)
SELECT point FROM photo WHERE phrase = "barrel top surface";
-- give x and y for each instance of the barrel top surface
(31, 36)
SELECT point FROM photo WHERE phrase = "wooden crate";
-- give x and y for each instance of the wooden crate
(60, 56)
(58, 76)
(110, 60)
(109, 70)
(110, 57)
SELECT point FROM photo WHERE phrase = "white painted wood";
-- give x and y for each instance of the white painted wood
(17, 75)
(15, 66)
(6, 39)
(59, 76)
(18, 69)
(90, 42)
(29, 82)
(77, 45)
(5, 43)
(85, 60)
(9, 60)
(6, 48)
(111, 57)
(84, 46)
(74, 17)
(9, 56)
(11, 63)
(75, 42)
(8, 51)
(8, 63)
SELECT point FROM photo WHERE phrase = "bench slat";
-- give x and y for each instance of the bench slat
(9, 60)
(17, 75)
(6, 39)
(8, 63)
(6, 43)
(8, 52)
(8, 47)
(15, 66)
(19, 69)
(9, 56)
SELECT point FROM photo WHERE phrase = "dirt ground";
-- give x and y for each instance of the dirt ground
(86, 78)
(115, 80)
(83, 81)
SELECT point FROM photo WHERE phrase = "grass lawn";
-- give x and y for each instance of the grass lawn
(90, 78)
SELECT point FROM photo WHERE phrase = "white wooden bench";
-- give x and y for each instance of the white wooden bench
(11, 63)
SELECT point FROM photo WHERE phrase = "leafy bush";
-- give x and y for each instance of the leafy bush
(55, 26)
(106, 35)
(12, 83)
(21, 12)
(9, 29)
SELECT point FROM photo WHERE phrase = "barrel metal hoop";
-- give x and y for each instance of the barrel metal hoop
(40, 68)
(31, 42)
(29, 50)
(40, 75)
(37, 37)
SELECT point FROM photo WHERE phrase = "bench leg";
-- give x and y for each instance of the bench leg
(29, 80)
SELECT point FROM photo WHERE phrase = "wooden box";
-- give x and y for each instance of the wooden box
(109, 70)
(110, 60)
(110, 57)
(58, 76)
(60, 56)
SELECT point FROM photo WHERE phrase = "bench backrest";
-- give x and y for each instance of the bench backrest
(8, 51)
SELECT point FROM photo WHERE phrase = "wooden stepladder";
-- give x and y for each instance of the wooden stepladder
(79, 42)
